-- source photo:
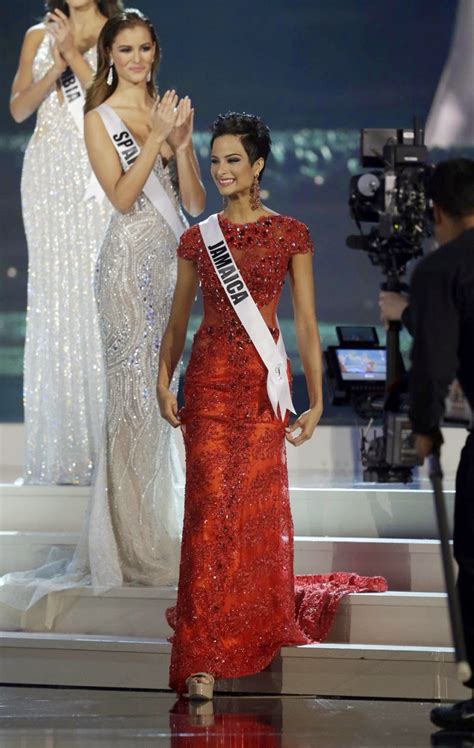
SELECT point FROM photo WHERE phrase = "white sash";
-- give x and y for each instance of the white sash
(272, 354)
(128, 151)
(75, 100)
(74, 97)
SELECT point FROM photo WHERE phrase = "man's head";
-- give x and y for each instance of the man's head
(452, 191)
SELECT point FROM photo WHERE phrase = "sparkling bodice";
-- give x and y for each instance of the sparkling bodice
(136, 491)
(262, 251)
(168, 176)
(52, 113)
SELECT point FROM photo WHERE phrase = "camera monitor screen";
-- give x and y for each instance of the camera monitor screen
(362, 364)
(360, 334)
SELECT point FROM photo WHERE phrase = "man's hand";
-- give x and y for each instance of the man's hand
(392, 305)
(424, 445)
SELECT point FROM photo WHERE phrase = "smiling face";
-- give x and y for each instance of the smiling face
(132, 53)
(230, 166)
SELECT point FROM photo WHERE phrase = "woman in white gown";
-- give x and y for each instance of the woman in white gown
(136, 508)
(63, 372)
(133, 525)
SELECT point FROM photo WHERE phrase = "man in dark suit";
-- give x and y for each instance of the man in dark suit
(440, 316)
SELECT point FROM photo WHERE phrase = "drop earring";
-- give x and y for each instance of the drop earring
(254, 199)
(148, 76)
(110, 74)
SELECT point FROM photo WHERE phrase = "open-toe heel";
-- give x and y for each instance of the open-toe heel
(200, 686)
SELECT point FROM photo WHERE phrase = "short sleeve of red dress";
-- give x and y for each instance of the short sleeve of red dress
(300, 239)
(189, 244)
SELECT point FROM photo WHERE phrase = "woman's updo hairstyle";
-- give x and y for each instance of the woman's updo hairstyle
(107, 7)
(252, 131)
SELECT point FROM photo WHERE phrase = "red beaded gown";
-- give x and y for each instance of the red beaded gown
(238, 603)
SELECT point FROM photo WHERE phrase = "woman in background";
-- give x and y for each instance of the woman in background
(140, 146)
(133, 524)
(63, 371)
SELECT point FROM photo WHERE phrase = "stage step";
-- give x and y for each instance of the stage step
(23, 550)
(408, 565)
(319, 509)
(332, 450)
(368, 671)
(400, 618)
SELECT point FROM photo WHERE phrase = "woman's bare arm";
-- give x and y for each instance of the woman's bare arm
(309, 345)
(191, 188)
(27, 95)
(121, 188)
(172, 345)
(62, 31)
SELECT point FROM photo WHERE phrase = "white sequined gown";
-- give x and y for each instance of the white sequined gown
(63, 371)
(135, 514)
(132, 530)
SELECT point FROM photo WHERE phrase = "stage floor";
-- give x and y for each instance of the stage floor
(298, 478)
(41, 718)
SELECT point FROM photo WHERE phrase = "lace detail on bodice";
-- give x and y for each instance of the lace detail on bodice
(262, 251)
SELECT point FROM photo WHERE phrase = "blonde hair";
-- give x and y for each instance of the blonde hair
(99, 90)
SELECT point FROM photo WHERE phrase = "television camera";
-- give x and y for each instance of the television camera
(393, 197)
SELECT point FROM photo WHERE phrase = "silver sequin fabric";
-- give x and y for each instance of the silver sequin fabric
(132, 530)
(135, 517)
(63, 371)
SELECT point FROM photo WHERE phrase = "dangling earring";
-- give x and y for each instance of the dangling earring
(110, 74)
(148, 76)
(254, 200)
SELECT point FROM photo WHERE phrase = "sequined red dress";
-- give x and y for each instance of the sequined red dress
(236, 594)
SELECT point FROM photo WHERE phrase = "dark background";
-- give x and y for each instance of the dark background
(299, 63)
(316, 72)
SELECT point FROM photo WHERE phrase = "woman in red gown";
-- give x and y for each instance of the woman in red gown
(236, 594)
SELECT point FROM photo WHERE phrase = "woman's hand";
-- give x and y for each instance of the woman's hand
(60, 28)
(164, 115)
(181, 135)
(59, 63)
(307, 422)
(168, 405)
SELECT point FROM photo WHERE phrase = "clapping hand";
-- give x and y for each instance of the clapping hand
(60, 63)
(164, 115)
(180, 136)
(60, 28)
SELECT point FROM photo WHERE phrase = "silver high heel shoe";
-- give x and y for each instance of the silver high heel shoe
(201, 713)
(200, 686)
